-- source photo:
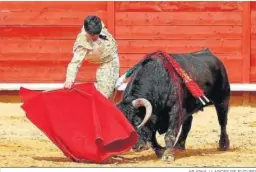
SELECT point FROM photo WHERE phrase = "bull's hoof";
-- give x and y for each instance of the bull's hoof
(168, 158)
(179, 148)
(159, 152)
(140, 149)
(224, 143)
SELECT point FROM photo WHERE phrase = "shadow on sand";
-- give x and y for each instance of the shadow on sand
(138, 156)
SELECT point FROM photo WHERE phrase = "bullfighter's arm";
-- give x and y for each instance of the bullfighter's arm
(78, 56)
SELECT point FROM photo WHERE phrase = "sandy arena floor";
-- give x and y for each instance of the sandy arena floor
(23, 145)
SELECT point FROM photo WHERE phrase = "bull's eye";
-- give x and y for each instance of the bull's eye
(137, 121)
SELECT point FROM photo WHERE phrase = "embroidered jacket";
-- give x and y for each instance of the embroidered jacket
(84, 45)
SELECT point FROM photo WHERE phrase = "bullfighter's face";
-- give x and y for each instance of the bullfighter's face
(136, 116)
(92, 36)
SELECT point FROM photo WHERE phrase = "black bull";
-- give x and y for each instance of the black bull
(153, 101)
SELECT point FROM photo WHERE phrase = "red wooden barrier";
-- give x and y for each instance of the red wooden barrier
(253, 42)
(142, 27)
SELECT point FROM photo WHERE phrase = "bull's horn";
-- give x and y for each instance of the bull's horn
(143, 102)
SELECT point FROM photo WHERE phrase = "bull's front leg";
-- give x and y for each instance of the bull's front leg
(159, 150)
(172, 132)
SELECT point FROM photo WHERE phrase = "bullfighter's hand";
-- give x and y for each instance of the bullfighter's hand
(68, 85)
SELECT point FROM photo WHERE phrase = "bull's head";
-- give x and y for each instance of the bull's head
(138, 112)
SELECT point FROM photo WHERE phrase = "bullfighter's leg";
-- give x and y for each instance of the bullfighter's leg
(106, 77)
(172, 132)
(180, 145)
(159, 150)
(222, 112)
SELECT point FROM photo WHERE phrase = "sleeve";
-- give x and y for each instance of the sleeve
(78, 56)
(82, 41)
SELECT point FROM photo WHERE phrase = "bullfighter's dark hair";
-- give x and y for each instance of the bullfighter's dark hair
(92, 25)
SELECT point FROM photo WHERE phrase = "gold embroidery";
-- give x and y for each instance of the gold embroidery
(106, 47)
(75, 63)
(106, 77)
(108, 72)
(82, 41)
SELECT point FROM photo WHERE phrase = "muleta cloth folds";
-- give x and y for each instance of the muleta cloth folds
(81, 122)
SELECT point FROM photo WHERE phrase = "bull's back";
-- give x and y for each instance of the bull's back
(150, 76)
(203, 67)
(200, 60)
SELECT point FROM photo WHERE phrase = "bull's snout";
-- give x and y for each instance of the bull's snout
(141, 146)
